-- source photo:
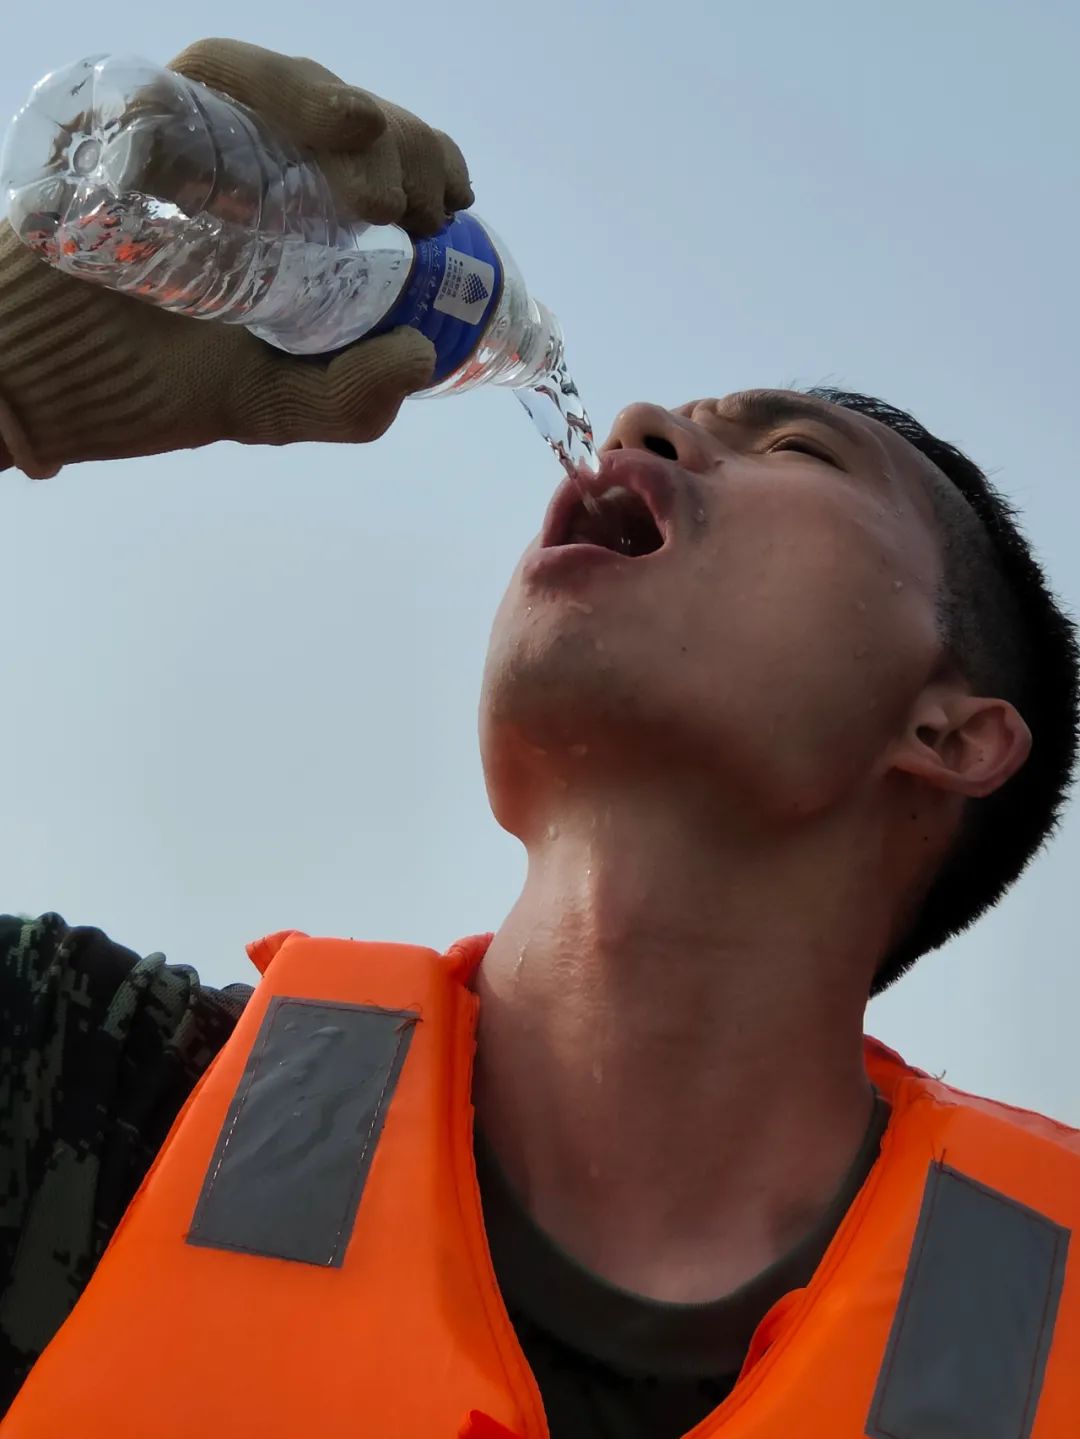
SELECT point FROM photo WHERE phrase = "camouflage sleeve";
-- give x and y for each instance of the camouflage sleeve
(98, 1051)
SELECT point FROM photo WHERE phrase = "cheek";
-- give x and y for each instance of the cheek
(786, 580)
(801, 595)
(819, 551)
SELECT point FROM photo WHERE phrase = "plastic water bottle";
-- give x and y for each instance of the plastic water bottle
(126, 174)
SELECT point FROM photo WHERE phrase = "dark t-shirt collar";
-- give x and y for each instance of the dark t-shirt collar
(626, 1331)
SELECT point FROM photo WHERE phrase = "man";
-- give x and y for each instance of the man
(787, 707)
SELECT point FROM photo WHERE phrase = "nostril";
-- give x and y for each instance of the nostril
(659, 446)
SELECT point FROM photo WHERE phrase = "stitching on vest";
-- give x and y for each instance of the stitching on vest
(250, 1067)
(1057, 1236)
(1004, 1199)
(1028, 1415)
(403, 1028)
(911, 1279)
(1036, 1353)
(279, 1002)
(937, 1169)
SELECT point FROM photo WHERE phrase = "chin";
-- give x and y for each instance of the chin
(561, 687)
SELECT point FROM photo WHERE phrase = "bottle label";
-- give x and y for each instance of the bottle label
(452, 292)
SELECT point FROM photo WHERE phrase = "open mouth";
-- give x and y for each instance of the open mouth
(616, 519)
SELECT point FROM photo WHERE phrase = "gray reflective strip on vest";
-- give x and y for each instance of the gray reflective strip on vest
(294, 1152)
(973, 1328)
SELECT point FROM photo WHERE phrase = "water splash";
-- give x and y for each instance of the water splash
(556, 410)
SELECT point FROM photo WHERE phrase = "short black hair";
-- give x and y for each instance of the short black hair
(1011, 638)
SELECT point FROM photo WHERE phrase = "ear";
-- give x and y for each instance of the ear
(962, 743)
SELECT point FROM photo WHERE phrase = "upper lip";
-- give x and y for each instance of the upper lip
(643, 474)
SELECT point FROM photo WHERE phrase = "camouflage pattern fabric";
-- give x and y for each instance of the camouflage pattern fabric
(98, 1051)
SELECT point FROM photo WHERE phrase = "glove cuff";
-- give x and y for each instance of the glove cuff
(68, 376)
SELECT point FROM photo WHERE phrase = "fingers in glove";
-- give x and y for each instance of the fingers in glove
(368, 186)
(310, 103)
(411, 175)
(352, 400)
(426, 155)
(459, 190)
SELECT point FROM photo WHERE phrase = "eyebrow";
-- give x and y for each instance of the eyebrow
(763, 410)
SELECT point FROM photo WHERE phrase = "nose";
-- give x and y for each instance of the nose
(651, 427)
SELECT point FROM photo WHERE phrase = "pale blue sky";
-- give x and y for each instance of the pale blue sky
(242, 684)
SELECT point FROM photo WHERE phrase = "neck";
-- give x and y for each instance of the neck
(671, 1032)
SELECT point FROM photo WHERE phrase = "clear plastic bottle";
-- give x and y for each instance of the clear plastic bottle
(124, 173)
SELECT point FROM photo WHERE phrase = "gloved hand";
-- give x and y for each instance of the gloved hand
(87, 374)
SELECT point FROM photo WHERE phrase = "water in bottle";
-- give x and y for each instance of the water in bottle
(126, 174)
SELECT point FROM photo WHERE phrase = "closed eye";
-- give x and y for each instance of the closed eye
(797, 445)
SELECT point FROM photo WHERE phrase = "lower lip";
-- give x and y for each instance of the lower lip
(568, 559)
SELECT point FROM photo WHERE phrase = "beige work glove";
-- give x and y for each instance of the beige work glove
(87, 374)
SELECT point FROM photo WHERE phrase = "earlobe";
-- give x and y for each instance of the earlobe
(967, 745)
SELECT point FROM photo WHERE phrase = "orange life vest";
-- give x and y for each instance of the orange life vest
(307, 1257)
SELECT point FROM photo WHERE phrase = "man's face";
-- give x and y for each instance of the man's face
(772, 638)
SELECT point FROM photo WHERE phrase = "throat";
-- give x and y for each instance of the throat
(657, 985)
(593, 1111)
